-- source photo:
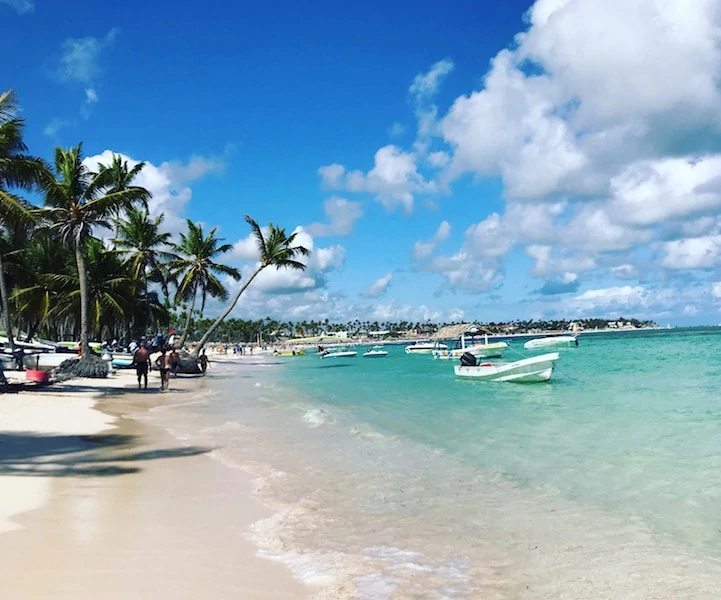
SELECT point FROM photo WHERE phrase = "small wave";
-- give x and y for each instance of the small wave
(305, 567)
(366, 432)
(257, 384)
(316, 417)
(227, 427)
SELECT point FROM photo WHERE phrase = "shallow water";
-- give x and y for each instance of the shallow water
(393, 479)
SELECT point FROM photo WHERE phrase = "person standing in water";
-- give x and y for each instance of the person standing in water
(164, 364)
(141, 360)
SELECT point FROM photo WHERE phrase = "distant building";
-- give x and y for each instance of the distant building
(338, 334)
(378, 333)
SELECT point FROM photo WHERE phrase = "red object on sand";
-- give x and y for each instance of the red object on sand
(37, 376)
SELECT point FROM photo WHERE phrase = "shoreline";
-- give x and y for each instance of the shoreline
(96, 493)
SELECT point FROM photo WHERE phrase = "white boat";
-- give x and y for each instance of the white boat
(121, 360)
(375, 352)
(339, 353)
(551, 342)
(527, 370)
(425, 347)
(466, 343)
(46, 361)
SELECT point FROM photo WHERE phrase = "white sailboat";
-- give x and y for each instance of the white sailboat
(528, 370)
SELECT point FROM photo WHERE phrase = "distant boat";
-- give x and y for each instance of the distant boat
(425, 347)
(121, 360)
(528, 370)
(467, 343)
(339, 353)
(375, 352)
(551, 341)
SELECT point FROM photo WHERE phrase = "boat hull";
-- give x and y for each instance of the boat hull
(529, 370)
(425, 348)
(551, 342)
(493, 350)
(375, 354)
(46, 361)
(339, 355)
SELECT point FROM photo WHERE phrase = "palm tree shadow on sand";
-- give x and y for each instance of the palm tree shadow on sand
(31, 454)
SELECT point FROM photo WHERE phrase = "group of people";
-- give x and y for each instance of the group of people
(167, 362)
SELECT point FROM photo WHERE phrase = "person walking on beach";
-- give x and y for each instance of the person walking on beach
(141, 360)
(174, 358)
(164, 364)
(203, 361)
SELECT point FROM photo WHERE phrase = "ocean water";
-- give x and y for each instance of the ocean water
(390, 478)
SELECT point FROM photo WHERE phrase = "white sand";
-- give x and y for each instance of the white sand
(64, 409)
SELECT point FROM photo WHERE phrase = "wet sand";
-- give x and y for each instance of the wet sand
(127, 512)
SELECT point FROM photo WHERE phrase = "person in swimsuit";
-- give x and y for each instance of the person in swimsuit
(164, 363)
(141, 360)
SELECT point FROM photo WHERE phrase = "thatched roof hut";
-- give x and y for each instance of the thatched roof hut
(451, 332)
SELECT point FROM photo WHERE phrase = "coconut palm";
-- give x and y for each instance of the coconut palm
(276, 249)
(77, 201)
(195, 269)
(143, 246)
(120, 177)
(17, 170)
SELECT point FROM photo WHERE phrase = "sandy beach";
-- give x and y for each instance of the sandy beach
(98, 503)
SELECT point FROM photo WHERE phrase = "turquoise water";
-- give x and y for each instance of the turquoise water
(394, 479)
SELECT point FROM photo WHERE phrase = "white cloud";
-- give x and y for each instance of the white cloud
(342, 215)
(625, 271)
(379, 286)
(423, 250)
(21, 6)
(53, 127)
(80, 58)
(91, 96)
(168, 183)
(716, 290)
(320, 263)
(613, 298)
(393, 179)
(693, 253)
(426, 84)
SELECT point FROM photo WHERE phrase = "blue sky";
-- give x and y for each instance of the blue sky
(483, 160)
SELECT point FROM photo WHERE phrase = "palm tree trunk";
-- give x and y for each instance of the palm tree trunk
(226, 312)
(83, 278)
(6, 306)
(147, 300)
(184, 335)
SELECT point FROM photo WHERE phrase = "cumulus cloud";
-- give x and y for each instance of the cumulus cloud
(21, 6)
(379, 287)
(320, 263)
(342, 215)
(693, 253)
(562, 285)
(169, 183)
(426, 84)
(393, 179)
(423, 250)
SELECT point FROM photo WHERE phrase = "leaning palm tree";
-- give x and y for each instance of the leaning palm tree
(120, 177)
(144, 248)
(195, 269)
(17, 170)
(76, 202)
(276, 249)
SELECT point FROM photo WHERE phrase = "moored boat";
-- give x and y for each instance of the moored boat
(528, 370)
(288, 352)
(551, 342)
(425, 347)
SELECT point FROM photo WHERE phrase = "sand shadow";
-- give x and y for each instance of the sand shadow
(31, 454)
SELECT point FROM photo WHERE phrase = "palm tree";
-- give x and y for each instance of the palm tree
(17, 170)
(141, 242)
(196, 269)
(120, 177)
(76, 202)
(276, 249)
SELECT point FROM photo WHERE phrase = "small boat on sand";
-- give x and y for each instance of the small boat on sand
(375, 352)
(528, 370)
(288, 352)
(551, 342)
(46, 361)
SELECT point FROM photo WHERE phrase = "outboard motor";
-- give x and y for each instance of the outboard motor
(468, 360)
